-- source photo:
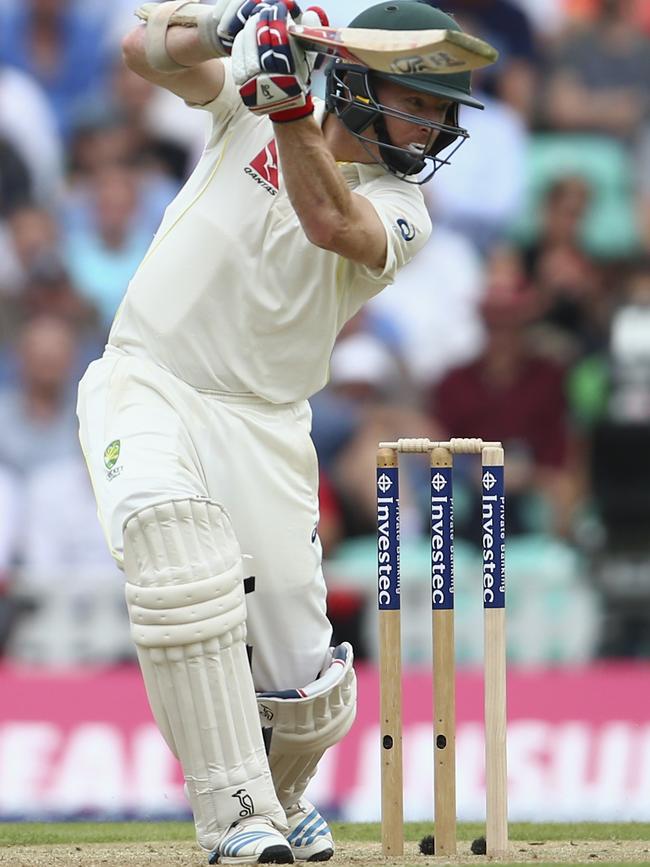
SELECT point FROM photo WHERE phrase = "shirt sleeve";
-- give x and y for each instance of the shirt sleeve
(402, 211)
(227, 105)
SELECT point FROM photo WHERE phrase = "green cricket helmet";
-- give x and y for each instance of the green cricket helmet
(351, 93)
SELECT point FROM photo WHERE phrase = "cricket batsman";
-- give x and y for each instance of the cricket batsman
(195, 423)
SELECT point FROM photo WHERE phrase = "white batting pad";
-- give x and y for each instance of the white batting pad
(307, 721)
(185, 596)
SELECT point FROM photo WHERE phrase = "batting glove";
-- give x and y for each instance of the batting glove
(217, 24)
(272, 72)
(233, 15)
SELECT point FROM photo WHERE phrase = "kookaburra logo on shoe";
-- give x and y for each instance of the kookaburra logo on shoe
(246, 803)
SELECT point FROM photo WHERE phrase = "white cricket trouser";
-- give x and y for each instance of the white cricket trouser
(256, 459)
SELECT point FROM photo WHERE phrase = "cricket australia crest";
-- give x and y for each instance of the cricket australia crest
(111, 457)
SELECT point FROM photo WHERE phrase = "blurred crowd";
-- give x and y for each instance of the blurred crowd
(526, 319)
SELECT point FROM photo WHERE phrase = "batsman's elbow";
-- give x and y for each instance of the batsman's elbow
(350, 241)
(327, 226)
(321, 233)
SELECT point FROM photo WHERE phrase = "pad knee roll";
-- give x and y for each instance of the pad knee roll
(185, 578)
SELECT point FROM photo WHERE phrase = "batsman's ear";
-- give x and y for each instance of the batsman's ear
(348, 96)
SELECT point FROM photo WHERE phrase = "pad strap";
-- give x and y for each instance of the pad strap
(155, 43)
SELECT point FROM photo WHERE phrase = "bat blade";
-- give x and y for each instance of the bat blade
(401, 52)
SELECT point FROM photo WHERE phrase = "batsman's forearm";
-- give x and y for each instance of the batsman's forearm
(182, 44)
(316, 187)
(200, 83)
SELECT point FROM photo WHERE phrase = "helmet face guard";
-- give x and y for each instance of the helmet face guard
(351, 97)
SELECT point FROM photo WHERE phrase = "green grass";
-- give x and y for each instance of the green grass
(44, 833)
(39, 833)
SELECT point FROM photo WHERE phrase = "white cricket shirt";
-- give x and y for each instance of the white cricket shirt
(231, 295)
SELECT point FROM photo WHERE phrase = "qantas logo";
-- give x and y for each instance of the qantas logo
(264, 169)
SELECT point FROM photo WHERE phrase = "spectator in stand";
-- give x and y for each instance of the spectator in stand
(643, 15)
(330, 530)
(105, 140)
(62, 535)
(629, 349)
(48, 291)
(15, 183)
(611, 386)
(643, 185)
(38, 283)
(35, 237)
(103, 254)
(30, 156)
(15, 190)
(37, 418)
(29, 125)
(562, 214)
(345, 606)
(10, 521)
(547, 19)
(599, 75)
(11, 514)
(166, 119)
(579, 11)
(568, 279)
(610, 394)
(434, 305)
(101, 138)
(367, 375)
(514, 394)
(59, 46)
(506, 26)
(336, 416)
(484, 194)
(132, 96)
(171, 135)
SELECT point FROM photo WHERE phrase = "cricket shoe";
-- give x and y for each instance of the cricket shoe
(309, 834)
(253, 840)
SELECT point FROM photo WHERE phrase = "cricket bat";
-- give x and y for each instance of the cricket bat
(400, 52)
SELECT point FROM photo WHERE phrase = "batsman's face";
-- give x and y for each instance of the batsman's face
(423, 106)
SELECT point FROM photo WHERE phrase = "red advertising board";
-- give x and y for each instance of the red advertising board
(578, 747)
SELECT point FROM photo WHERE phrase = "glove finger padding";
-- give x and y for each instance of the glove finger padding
(314, 17)
(272, 72)
(234, 14)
